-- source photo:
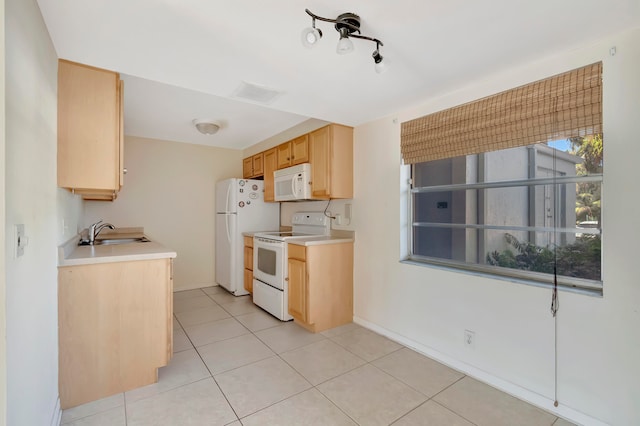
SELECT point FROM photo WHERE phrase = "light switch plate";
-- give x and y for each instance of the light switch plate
(20, 242)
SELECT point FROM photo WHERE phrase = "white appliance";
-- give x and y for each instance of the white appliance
(292, 183)
(270, 272)
(240, 207)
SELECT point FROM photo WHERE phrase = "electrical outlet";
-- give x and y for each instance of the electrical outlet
(347, 212)
(470, 339)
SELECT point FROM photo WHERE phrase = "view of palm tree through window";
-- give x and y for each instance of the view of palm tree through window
(534, 209)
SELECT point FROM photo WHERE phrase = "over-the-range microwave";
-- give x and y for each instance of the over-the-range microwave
(293, 183)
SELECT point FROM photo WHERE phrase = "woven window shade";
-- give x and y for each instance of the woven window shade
(562, 106)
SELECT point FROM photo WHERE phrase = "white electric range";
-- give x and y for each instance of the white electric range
(270, 275)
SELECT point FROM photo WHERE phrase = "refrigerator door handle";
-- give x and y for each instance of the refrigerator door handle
(227, 206)
(226, 219)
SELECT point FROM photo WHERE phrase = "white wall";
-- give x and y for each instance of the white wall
(598, 338)
(169, 189)
(32, 199)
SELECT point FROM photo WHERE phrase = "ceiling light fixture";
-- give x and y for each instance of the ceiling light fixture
(205, 126)
(348, 25)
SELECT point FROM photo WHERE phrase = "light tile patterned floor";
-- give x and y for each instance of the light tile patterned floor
(236, 365)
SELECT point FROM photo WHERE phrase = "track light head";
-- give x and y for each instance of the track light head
(380, 66)
(345, 45)
(311, 35)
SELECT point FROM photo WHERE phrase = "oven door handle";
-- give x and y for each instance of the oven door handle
(267, 243)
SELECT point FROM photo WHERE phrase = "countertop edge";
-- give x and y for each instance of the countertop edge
(70, 254)
(117, 258)
(313, 241)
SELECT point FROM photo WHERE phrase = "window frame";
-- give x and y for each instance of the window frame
(539, 279)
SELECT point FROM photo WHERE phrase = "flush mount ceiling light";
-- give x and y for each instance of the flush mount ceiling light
(348, 26)
(206, 127)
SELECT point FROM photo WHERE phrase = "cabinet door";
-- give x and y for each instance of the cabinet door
(320, 154)
(247, 168)
(298, 289)
(258, 170)
(300, 150)
(270, 165)
(248, 258)
(89, 127)
(113, 333)
(121, 134)
(248, 280)
(169, 264)
(284, 155)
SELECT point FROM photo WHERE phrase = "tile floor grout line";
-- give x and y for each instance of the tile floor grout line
(444, 406)
(238, 418)
(334, 404)
(277, 402)
(438, 393)
(219, 388)
(124, 398)
(450, 410)
(211, 374)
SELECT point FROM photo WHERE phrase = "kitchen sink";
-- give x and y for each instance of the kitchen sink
(112, 241)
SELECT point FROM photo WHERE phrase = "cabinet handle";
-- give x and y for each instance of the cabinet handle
(286, 279)
(124, 171)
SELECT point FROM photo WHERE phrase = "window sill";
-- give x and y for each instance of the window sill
(518, 280)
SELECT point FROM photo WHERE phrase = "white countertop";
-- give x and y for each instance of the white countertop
(70, 254)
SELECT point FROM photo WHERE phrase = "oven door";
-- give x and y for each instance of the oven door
(269, 261)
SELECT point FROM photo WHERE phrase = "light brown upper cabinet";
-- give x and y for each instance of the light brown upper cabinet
(252, 167)
(293, 152)
(90, 130)
(270, 162)
(331, 158)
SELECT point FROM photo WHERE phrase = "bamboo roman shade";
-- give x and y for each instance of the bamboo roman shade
(562, 106)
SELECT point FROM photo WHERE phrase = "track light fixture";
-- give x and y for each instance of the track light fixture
(348, 26)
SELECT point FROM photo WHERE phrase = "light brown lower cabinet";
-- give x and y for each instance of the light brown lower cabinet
(248, 264)
(321, 285)
(115, 327)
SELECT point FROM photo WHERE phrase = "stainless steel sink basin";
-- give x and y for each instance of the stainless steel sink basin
(108, 241)
(111, 241)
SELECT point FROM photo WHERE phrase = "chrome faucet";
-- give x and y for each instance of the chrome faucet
(96, 228)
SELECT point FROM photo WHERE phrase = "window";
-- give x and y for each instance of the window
(509, 207)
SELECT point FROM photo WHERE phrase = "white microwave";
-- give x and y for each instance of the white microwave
(292, 183)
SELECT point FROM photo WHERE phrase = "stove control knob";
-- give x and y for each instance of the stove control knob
(241, 204)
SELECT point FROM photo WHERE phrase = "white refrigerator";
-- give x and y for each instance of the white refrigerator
(240, 207)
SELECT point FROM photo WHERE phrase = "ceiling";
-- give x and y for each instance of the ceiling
(184, 59)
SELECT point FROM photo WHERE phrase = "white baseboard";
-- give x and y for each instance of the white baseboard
(519, 392)
(56, 416)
